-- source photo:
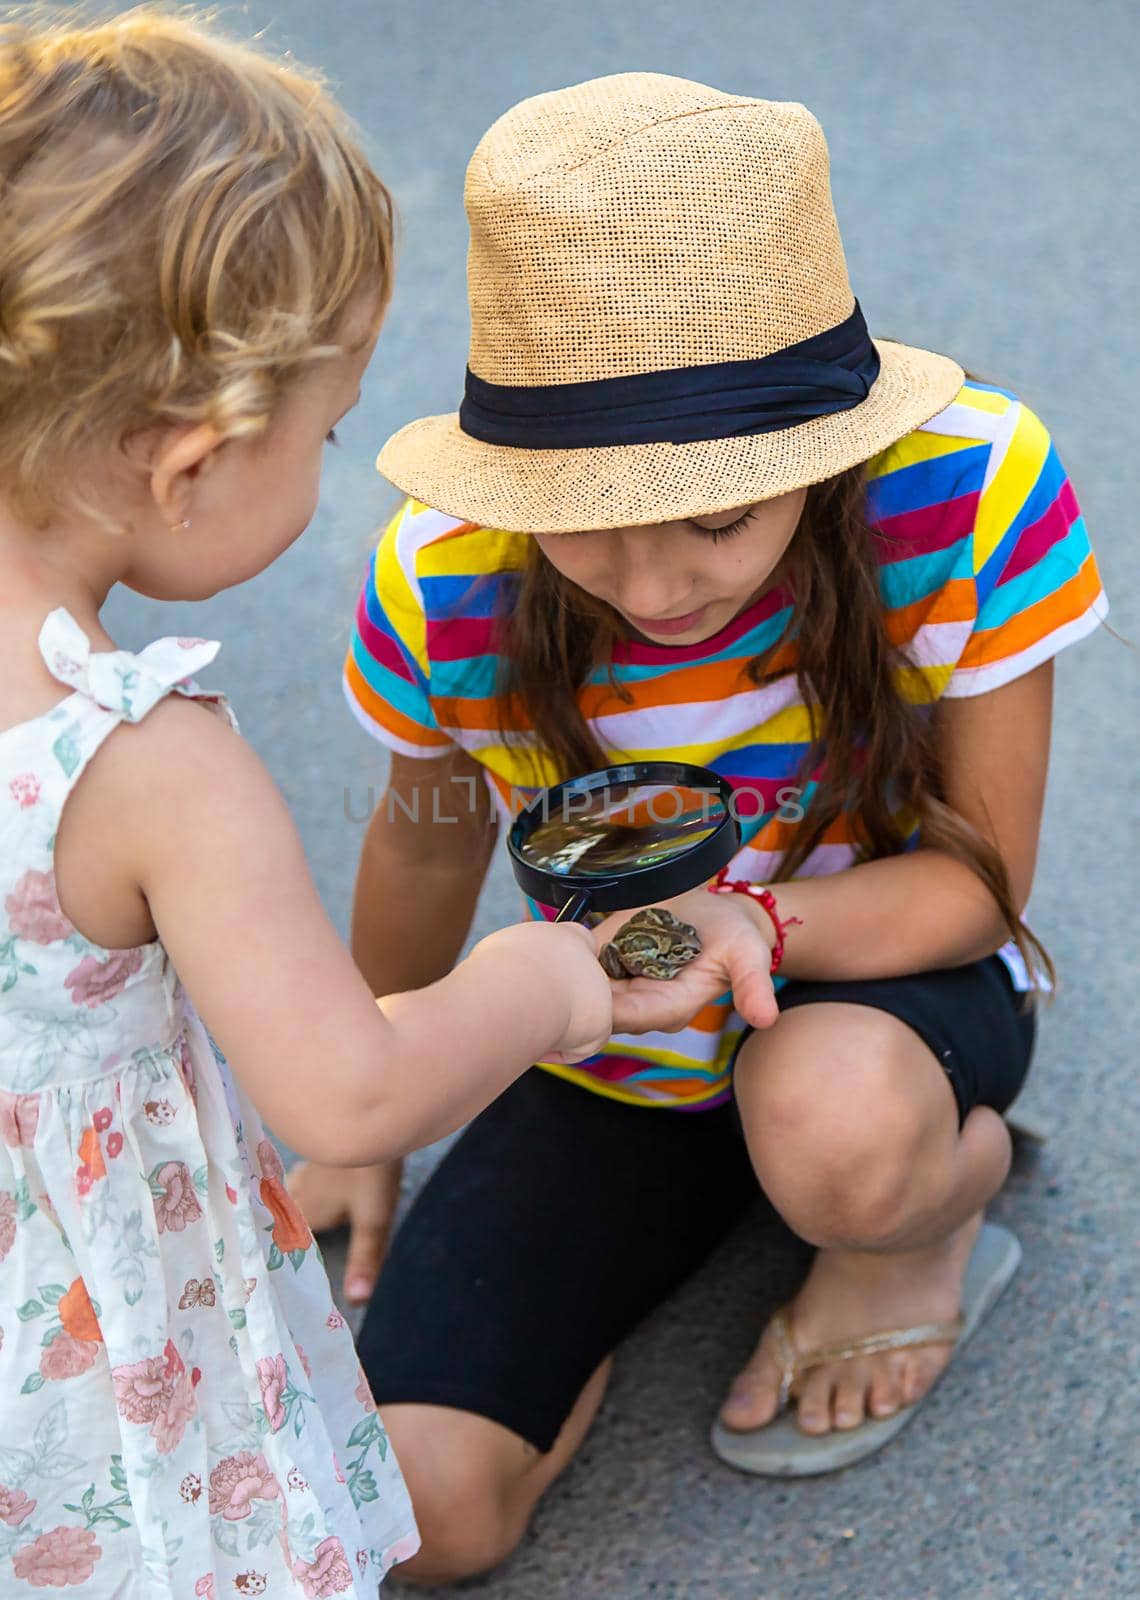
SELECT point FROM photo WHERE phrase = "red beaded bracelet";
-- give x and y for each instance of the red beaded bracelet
(721, 884)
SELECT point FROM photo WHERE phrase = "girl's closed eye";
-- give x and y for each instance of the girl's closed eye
(727, 532)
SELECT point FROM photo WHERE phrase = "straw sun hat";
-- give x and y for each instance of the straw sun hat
(661, 321)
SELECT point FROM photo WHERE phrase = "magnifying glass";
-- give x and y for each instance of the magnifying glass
(623, 837)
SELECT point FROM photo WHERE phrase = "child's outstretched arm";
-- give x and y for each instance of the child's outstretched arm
(195, 820)
(423, 859)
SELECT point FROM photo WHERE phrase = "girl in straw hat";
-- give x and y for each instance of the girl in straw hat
(194, 257)
(690, 509)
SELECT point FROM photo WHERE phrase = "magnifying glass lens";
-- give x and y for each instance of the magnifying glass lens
(623, 828)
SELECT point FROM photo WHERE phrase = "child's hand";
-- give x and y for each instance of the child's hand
(363, 1199)
(736, 954)
(561, 959)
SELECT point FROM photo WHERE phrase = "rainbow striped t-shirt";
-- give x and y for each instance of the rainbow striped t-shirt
(985, 572)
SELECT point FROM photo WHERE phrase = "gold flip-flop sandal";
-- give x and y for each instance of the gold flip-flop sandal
(781, 1449)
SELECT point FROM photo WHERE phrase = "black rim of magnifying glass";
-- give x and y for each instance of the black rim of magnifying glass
(577, 893)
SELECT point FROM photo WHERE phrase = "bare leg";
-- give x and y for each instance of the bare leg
(475, 1484)
(853, 1131)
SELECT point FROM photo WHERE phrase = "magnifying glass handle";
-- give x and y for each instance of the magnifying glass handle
(575, 908)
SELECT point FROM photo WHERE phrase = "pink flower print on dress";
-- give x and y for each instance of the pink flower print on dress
(7, 1222)
(204, 1588)
(59, 1558)
(178, 1402)
(102, 1119)
(158, 1391)
(14, 1506)
(94, 982)
(139, 1388)
(67, 1357)
(34, 911)
(237, 1481)
(338, 1470)
(304, 1360)
(272, 1377)
(364, 1393)
(19, 1119)
(175, 1200)
(114, 1145)
(177, 1409)
(190, 644)
(25, 789)
(327, 1574)
(269, 1161)
(334, 1320)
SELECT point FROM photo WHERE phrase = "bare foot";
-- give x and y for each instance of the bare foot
(848, 1294)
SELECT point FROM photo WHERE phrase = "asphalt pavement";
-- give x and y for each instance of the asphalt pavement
(984, 170)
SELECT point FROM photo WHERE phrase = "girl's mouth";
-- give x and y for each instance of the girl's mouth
(665, 627)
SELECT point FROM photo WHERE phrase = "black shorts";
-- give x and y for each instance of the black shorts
(561, 1218)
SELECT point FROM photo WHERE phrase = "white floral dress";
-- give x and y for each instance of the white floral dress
(182, 1413)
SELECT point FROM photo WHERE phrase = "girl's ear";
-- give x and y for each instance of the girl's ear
(171, 459)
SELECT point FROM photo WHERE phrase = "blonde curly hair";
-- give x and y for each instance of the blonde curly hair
(183, 225)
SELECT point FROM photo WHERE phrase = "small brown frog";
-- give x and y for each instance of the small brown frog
(652, 944)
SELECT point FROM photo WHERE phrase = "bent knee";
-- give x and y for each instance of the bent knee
(840, 1125)
(463, 1489)
(453, 1549)
(464, 1532)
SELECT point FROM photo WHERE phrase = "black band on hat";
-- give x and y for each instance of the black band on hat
(830, 372)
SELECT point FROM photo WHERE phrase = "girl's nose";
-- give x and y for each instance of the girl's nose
(649, 582)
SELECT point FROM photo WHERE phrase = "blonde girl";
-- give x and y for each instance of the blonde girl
(194, 260)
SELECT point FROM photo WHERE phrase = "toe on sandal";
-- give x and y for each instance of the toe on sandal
(781, 1449)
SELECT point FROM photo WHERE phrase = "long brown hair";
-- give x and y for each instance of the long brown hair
(882, 763)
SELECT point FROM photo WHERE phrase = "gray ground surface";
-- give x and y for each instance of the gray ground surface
(984, 172)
